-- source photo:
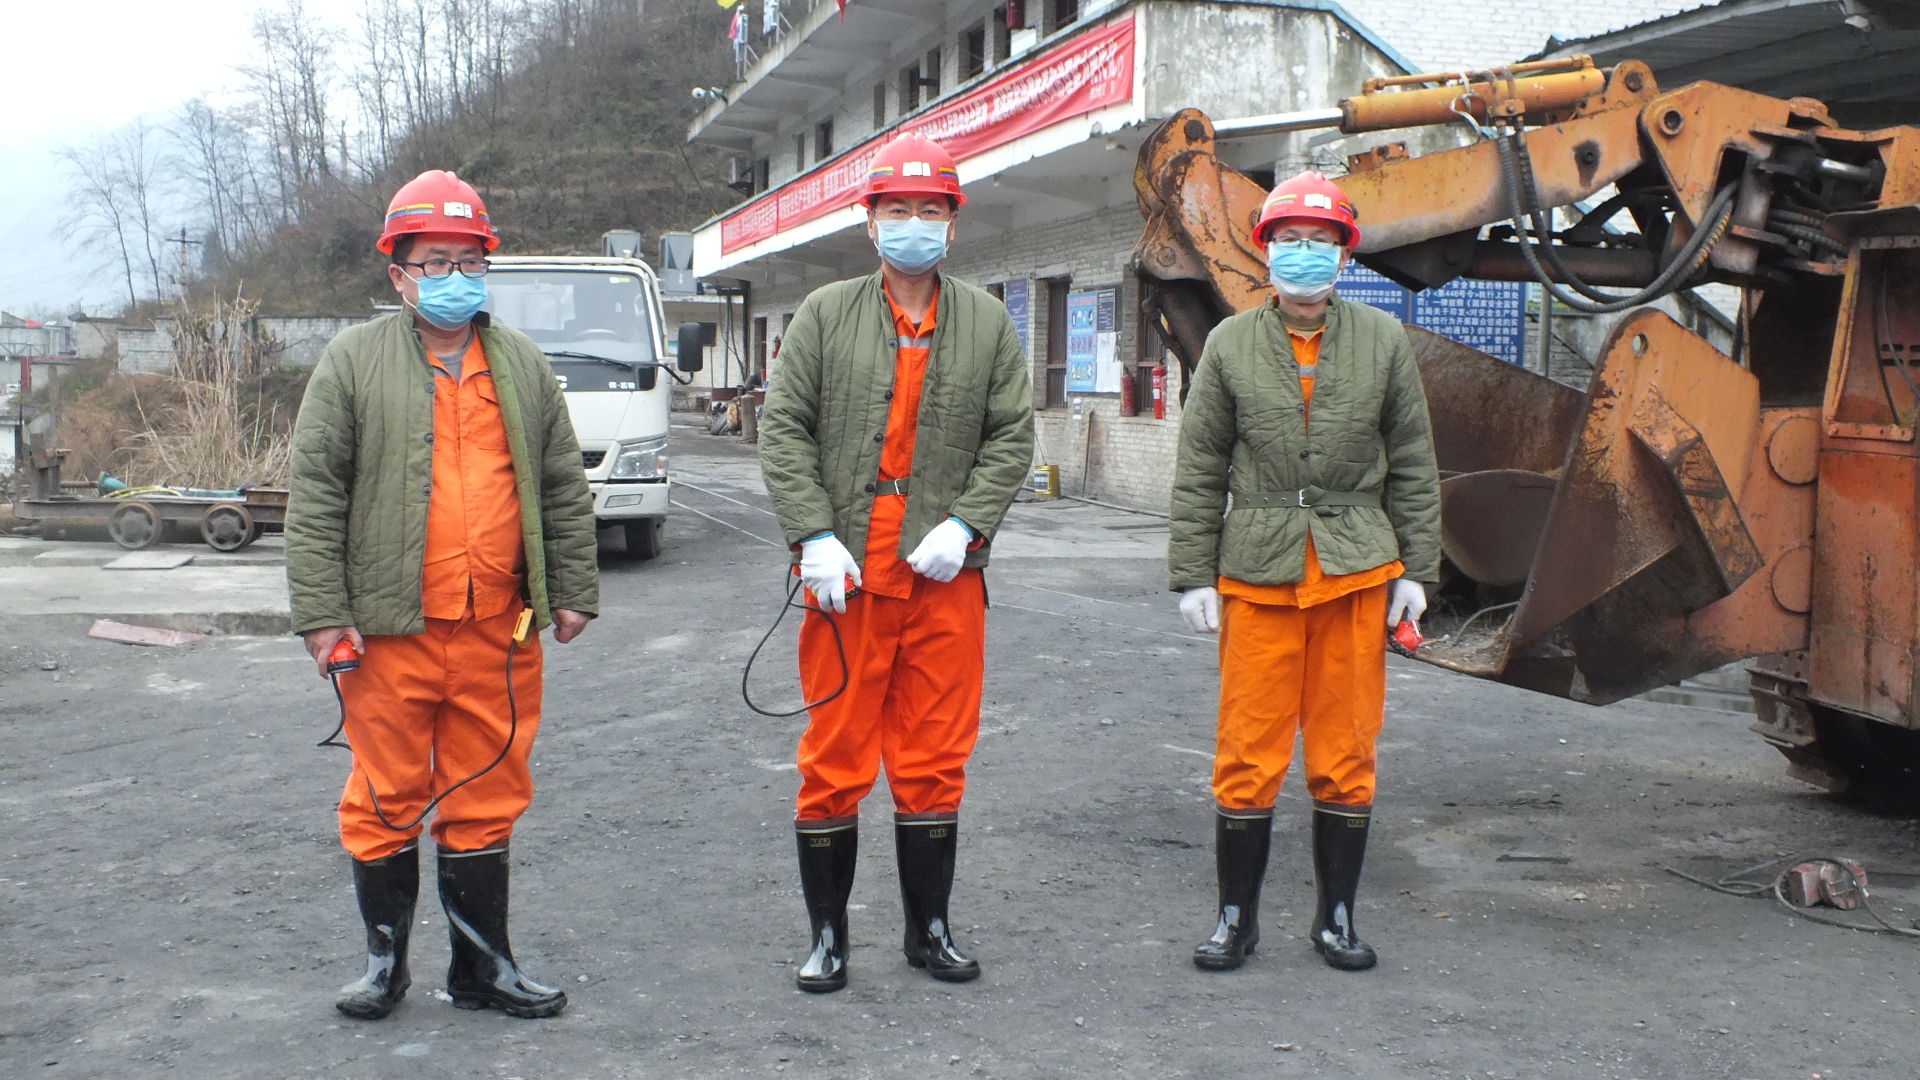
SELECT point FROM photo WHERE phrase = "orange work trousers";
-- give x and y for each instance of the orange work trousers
(914, 673)
(1319, 672)
(426, 711)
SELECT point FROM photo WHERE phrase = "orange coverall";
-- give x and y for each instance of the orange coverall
(1307, 658)
(916, 651)
(426, 711)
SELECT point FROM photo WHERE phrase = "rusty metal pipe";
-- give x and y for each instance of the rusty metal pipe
(1499, 260)
(1434, 104)
(1525, 67)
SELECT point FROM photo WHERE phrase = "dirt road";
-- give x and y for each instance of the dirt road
(174, 902)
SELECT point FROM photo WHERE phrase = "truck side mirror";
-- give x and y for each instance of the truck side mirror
(690, 352)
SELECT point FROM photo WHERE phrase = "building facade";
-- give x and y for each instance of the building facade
(1044, 109)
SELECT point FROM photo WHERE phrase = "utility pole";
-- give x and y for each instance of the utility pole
(184, 245)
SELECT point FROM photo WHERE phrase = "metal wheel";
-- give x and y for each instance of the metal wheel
(135, 526)
(227, 527)
(644, 537)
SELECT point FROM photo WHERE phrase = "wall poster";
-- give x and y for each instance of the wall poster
(1083, 321)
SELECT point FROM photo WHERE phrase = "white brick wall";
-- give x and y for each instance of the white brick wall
(1441, 35)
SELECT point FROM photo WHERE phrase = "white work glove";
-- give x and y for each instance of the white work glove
(1406, 599)
(825, 565)
(941, 555)
(1201, 608)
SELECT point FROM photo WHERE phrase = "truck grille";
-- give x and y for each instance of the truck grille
(592, 458)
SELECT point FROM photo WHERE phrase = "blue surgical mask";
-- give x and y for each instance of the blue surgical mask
(451, 302)
(1303, 269)
(912, 245)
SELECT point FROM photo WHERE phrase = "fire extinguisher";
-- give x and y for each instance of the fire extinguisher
(1129, 397)
(1160, 392)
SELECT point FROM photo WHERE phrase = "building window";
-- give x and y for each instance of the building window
(1002, 30)
(973, 51)
(879, 105)
(799, 151)
(760, 348)
(823, 140)
(930, 74)
(1061, 13)
(1057, 289)
(762, 175)
(909, 88)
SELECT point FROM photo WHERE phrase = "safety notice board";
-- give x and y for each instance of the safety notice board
(1487, 315)
(1093, 342)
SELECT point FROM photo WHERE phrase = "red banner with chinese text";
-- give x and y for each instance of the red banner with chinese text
(1090, 72)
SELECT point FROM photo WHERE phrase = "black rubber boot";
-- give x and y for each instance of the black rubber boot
(387, 889)
(926, 852)
(1240, 846)
(1339, 847)
(826, 880)
(473, 890)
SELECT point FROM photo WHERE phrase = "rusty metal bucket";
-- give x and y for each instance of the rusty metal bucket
(1640, 516)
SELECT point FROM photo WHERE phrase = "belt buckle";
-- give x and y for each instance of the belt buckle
(1300, 499)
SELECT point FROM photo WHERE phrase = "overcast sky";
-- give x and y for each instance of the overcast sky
(74, 69)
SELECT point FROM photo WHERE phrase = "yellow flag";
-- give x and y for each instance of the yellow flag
(728, 4)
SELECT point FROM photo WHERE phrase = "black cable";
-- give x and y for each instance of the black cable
(513, 731)
(1737, 884)
(1883, 339)
(839, 644)
(1691, 255)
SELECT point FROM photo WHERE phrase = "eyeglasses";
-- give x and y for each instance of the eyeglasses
(904, 213)
(439, 268)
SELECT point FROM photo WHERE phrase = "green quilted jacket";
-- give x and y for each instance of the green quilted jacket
(825, 420)
(362, 473)
(1365, 467)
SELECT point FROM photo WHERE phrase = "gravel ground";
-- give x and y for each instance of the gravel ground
(173, 900)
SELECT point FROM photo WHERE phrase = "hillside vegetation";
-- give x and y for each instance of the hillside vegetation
(569, 116)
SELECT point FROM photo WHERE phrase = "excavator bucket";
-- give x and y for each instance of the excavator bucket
(1630, 514)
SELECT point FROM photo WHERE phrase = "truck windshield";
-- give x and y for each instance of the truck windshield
(580, 311)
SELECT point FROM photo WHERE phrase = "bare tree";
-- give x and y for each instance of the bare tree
(116, 178)
(291, 91)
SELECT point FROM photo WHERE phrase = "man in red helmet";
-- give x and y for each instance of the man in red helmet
(1334, 524)
(896, 434)
(438, 514)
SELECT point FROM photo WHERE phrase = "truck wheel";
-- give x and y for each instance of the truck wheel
(644, 537)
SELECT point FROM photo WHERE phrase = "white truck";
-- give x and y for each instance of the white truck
(599, 321)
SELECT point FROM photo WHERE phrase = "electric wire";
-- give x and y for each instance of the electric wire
(839, 645)
(1883, 339)
(1692, 255)
(1740, 884)
(513, 732)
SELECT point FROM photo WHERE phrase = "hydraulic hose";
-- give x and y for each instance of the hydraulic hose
(1594, 301)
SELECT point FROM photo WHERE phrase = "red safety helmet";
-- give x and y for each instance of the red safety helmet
(437, 201)
(913, 165)
(1309, 195)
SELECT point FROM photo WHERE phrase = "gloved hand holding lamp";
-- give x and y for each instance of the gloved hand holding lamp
(825, 566)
